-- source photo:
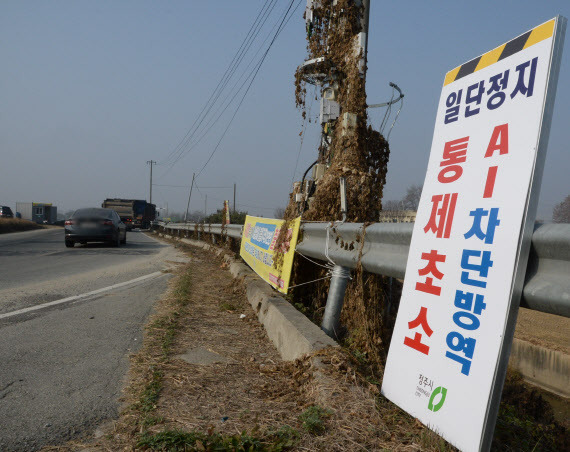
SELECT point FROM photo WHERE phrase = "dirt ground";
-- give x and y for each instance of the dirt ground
(221, 377)
(251, 389)
(241, 390)
(208, 378)
(547, 330)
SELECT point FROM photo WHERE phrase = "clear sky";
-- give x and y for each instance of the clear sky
(92, 90)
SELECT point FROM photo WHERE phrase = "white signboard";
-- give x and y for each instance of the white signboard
(460, 276)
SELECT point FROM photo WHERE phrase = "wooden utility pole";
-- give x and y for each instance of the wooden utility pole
(189, 196)
(151, 162)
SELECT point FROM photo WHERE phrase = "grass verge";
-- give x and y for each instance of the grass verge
(177, 440)
(140, 425)
(342, 410)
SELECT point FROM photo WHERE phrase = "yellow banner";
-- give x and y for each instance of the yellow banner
(258, 249)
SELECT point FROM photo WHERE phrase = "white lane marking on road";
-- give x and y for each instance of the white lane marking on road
(79, 297)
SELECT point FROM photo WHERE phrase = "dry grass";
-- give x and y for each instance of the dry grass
(318, 403)
(17, 225)
(253, 400)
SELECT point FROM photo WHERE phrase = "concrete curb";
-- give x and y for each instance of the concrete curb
(549, 369)
(293, 334)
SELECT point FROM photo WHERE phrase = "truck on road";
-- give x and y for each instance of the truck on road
(135, 213)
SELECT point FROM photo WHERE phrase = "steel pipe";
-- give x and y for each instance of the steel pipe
(335, 300)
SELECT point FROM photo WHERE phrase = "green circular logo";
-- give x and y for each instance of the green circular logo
(439, 390)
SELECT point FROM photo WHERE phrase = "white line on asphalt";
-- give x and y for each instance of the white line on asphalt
(79, 297)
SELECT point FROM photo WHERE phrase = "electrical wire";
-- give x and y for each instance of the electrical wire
(387, 113)
(286, 17)
(186, 186)
(228, 74)
(255, 207)
(327, 266)
(395, 119)
(304, 128)
(284, 21)
(216, 115)
(310, 282)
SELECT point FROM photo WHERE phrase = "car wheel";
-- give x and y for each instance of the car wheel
(69, 243)
(116, 241)
(124, 241)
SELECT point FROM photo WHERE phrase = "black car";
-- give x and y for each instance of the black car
(95, 225)
(6, 212)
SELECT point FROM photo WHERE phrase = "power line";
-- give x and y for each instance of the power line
(284, 20)
(222, 80)
(237, 203)
(303, 131)
(236, 61)
(255, 207)
(286, 17)
(219, 112)
(186, 186)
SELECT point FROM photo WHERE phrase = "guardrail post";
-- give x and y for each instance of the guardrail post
(335, 300)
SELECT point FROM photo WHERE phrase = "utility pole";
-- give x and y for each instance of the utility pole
(205, 208)
(189, 196)
(151, 162)
(234, 197)
(329, 117)
(362, 38)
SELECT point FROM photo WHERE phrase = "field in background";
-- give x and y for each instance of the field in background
(17, 225)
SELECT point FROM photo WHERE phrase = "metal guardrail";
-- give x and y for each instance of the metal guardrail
(384, 248)
(231, 230)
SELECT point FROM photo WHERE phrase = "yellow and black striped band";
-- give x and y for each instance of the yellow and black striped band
(524, 41)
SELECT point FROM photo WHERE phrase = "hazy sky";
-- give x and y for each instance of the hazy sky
(91, 90)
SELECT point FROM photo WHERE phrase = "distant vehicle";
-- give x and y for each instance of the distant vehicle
(135, 213)
(95, 225)
(6, 212)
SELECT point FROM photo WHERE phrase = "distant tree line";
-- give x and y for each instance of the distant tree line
(561, 213)
(236, 217)
(410, 201)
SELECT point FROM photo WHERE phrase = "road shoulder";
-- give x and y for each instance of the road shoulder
(208, 376)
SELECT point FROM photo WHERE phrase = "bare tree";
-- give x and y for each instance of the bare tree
(279, 212)
(391, 205)
(176, 216)
(561, 213)
(412, 199)
(197, 216)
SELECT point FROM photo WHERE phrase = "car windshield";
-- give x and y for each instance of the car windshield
(92, 213)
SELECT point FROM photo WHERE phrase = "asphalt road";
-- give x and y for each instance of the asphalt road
(63, 349)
